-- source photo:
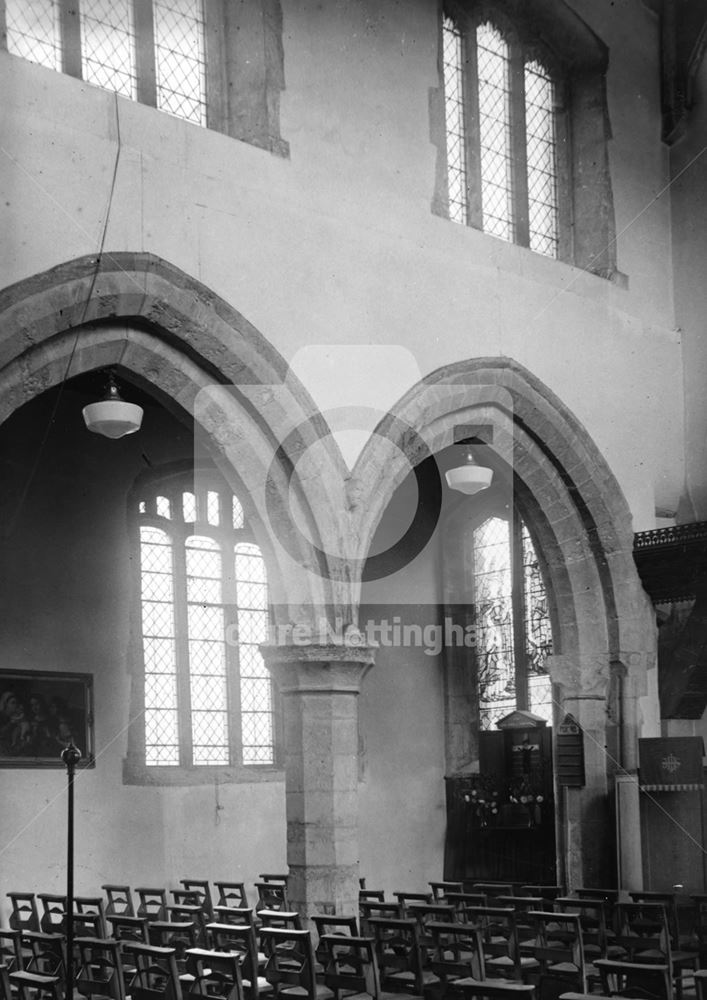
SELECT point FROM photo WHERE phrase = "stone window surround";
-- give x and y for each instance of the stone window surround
(244, 65)
(135, 770)
(554, 34)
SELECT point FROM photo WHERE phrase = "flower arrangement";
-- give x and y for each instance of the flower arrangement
(488, 800)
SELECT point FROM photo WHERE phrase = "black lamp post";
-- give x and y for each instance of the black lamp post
(70, 757)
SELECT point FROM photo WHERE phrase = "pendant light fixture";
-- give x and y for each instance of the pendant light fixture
(469, 478)
(112, 416)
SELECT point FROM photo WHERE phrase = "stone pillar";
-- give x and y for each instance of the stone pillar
(319, 685)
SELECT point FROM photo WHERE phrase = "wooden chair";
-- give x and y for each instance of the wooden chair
(155, 975)
(371, 896)
(24, 915)
(399, 956)
(153, 903)
(499, 934)
(559, 952)
(368, 909)
(463, 901)
(5, 985)
(425, 914)
(271, 896)
(288, 919)
(522, 907)
(440, 890)
(214, 974)
(11, 955)
(234, 915)
(231, 894)
(119, 901)
(455, 952)
(92, 906)
(290, 966)
(44, 971)
(351, 968)
(201, 893)
(334, 926)
(635, 979)
(127, 928)
(407, 898)
(100, 968)
(644, 935)
(241, 939)
(53, 913)
(176, 935)
(592, 917)
(492, 890)
(192, 913)
(701, 984)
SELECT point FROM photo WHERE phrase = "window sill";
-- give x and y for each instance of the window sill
(137, 773)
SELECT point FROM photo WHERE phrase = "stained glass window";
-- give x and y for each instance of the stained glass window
(502, 149)
(508, 592)
(204, 601)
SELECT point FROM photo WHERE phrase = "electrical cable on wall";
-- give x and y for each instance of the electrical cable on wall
(12, 521)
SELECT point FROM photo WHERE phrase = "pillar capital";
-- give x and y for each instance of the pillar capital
(332, 668)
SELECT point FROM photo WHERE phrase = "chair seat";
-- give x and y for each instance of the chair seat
(33, 979)
(320, 992)
(494, 987)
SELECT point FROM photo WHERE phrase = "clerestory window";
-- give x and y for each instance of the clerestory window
(502, 106)
(522, 129)
(208, 698)
(513, 636)
(184, 57)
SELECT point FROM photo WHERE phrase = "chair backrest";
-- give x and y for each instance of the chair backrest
(398, 954)
(559, 949)
(24, 915)
(47, 957)
(371, 896)
(493, 889)
(288, 919)
(271, 896)
(185, 913)
(213, 974)
(499, 935)
(241, 940)
(643, 927)
(369, 909)
(11, 948)
(350, 966)
(100, 968)
(334, 926)
(127, 928)
(53, 916)
(406, 898)
(455, 952)
(119, 901)
(548, 892)
(201, 893)
(234, 915)
(461, 901)
(178, 935)
(426, 913)
(280, 878)
(153, 903)
(92, 906)
(592, 916)
(290, 960)
(635, 979)
(440, 889)
(666, 899)
(231, 894)
(155, 975)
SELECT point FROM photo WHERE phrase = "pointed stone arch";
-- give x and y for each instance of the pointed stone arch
(172, 335)
(604, 629)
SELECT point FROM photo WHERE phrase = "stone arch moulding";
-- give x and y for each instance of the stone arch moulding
(168, 332)
(581, 524)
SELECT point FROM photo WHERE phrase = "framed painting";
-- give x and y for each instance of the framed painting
(40, 713)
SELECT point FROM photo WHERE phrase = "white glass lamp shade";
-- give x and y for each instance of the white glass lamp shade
(113, 418)
(469, 478)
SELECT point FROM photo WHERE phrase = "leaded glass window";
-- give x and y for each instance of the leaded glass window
(153, 51)
(513, 634)
(204, 613)
(502, 149)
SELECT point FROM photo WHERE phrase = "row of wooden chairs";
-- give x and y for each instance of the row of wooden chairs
(47, 911)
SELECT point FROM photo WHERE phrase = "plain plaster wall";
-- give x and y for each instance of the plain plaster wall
(66, 593)
(337, 243)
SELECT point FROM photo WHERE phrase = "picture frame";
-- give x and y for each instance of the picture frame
(40, 712)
